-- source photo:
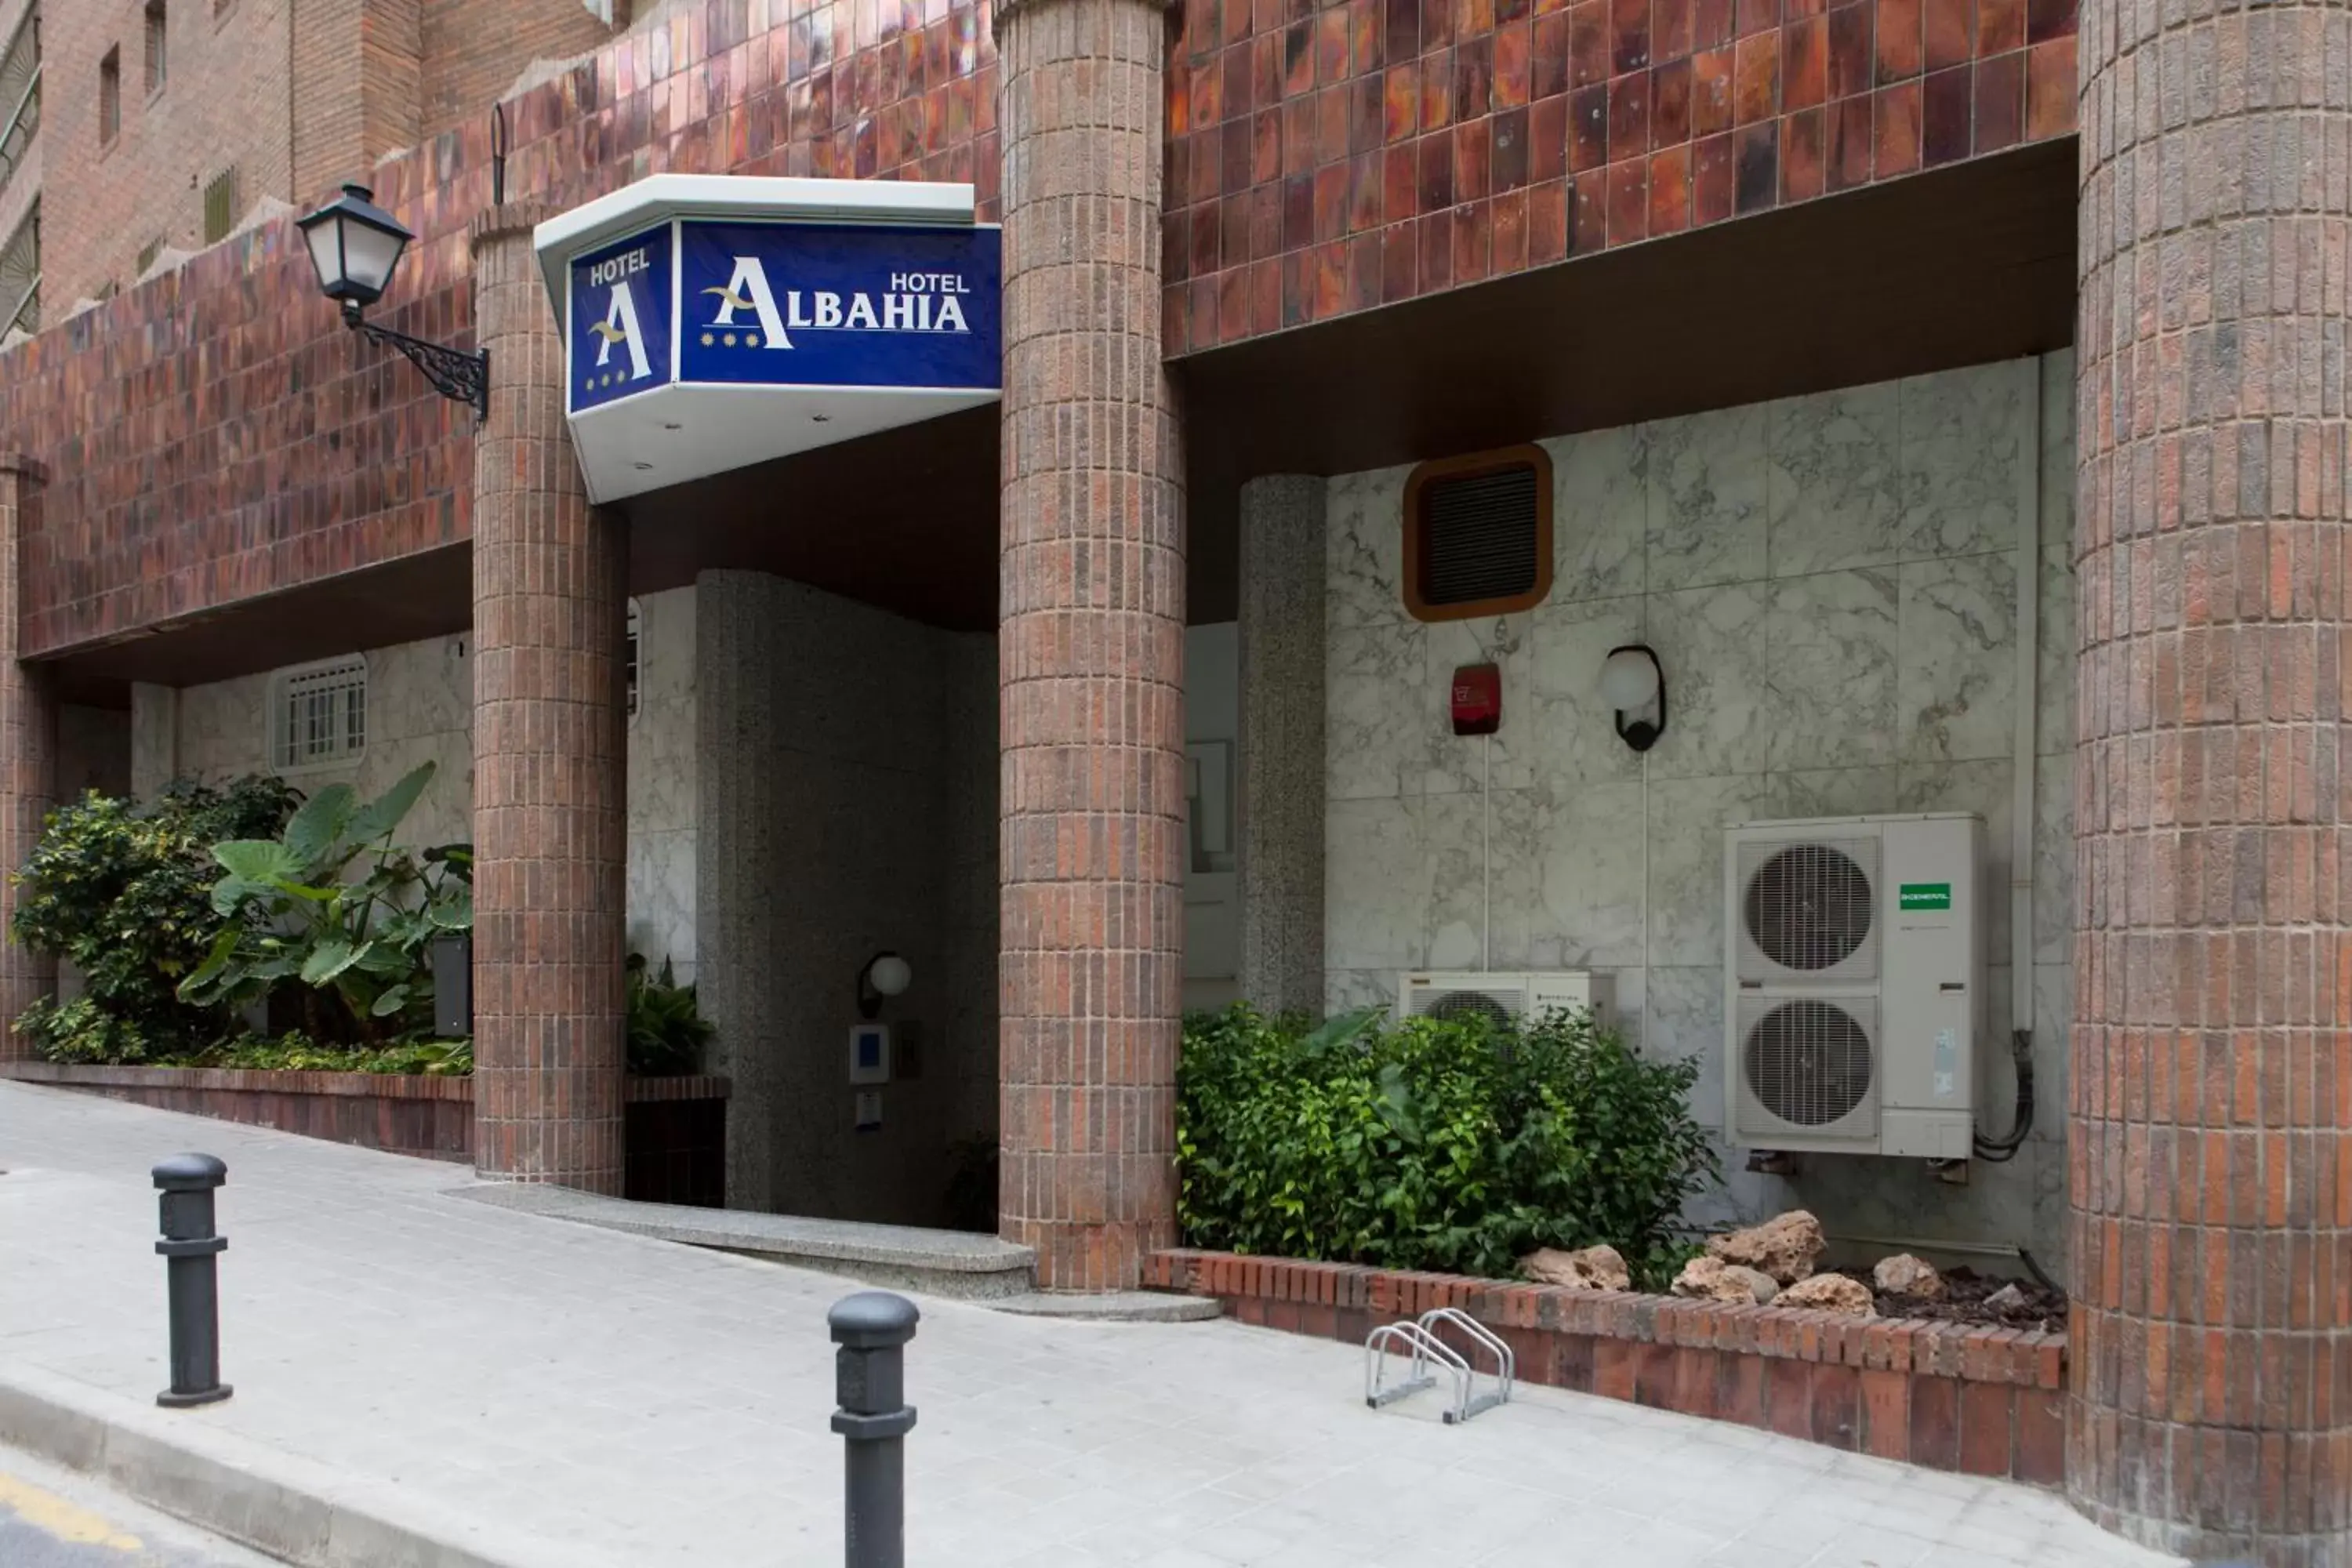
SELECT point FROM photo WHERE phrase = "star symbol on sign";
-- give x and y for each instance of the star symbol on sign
(706, 339)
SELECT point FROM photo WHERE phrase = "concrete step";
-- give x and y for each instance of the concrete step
(959, 1263)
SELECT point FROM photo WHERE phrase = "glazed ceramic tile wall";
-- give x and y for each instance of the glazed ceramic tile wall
(1829, 582)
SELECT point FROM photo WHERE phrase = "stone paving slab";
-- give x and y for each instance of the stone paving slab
(611, 1399)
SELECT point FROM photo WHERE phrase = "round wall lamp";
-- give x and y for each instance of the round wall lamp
(1635, 686)
(884, 974)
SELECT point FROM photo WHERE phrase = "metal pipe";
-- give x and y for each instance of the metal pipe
(872, 1327)
(191, 1249)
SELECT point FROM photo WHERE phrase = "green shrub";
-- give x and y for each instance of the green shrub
(665, 1030)
(1456, 1145)
(124, 894)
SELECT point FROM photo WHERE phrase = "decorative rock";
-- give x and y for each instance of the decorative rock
(1830, 1293)
(1904, 1275)
(1786, 1246)
(1713, 1279)
(1591, 1268)
(2008, 1298)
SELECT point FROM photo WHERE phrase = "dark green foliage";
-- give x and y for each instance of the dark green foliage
(666, 1031)
(1454, 1145)
(124, 894)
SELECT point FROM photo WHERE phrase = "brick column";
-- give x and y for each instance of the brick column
(28, 758)
(1092, 644)
(1281, 762)
(550, 619)
(2210, 1090)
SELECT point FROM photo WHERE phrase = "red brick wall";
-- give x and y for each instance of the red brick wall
(105, 203)
(1330, 157)
(1986, 1402)
(205, 455)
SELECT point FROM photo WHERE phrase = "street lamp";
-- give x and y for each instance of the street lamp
(355, 247)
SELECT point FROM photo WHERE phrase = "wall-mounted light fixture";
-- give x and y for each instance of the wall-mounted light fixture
(1635, 686)
(884, 974)
(355, 248)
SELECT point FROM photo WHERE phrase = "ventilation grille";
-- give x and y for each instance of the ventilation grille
(1808, 910)
(220, 205)
(1479, 537)
(321, 715)
(1500, 1004)
(1809, 1066)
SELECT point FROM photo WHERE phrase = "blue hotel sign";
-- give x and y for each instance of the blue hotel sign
(715, 302)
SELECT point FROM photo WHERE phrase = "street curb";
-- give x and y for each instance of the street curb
(277, 1502)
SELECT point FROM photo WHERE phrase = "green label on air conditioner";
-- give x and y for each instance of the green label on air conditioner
(1924, 896)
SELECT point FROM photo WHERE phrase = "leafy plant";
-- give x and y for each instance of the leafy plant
(123, 893)
(331, 903)
(297, 1052)
(666, 1032)
(1456, 1145)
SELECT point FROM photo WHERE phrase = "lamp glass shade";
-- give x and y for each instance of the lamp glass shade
(355, 247)
(1629, 679)
(890, 974)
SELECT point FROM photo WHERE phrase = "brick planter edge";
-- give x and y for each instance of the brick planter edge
(1979, 1401)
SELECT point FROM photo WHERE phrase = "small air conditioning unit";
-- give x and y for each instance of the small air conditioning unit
(1854, 984)
(1503, 993)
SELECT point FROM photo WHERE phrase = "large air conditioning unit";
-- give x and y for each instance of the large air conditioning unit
(1503, 993)
(1853, 984)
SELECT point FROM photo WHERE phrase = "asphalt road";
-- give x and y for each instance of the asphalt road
(52, 1518)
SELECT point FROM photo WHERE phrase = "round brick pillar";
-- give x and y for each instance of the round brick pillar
(27, 763)
(1092, 646)
(2211, 1092)
(551, 613)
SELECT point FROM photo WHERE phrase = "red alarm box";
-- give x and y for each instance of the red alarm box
(1477, 700)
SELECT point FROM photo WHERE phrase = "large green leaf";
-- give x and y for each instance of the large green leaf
(328, 959)
(393, 999)
(453, 913)
(381, 815)
(314, 830)
(255, 859)
(223, 947)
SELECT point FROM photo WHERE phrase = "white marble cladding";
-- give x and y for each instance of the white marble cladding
(420, 706)
(1829, 582)
(662, 785)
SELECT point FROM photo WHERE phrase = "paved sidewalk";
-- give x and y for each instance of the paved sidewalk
(548, 1392)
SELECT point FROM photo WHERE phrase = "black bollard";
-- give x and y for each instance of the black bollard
(872, 1329)
(190, 1246)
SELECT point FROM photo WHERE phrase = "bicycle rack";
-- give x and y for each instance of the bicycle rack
(1506, 1366)
(1425, 1348)
(1419, 1336)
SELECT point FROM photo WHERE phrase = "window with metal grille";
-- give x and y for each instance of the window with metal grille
(20, 92)
(110, 95)
(318, 714)
(220, 205)
(20, 277)
(158, 43)
(635, 652)
(1477, 535)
